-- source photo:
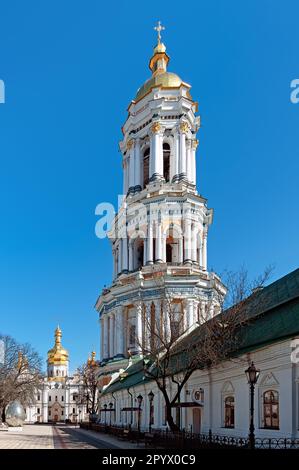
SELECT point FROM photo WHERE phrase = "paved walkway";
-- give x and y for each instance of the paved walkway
(59, 437)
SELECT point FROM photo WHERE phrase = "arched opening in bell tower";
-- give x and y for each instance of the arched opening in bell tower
(146, 160)
(139, 253)
(166, 162)
(172, 246)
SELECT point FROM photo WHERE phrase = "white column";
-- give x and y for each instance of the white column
(176, 169)
(150, 243)
(144, 251)
(105, 336)
(111, 335)
(125, 180)
(204, 250)
(45, 403)
(195, 311)
(139, 326)
(183, 155)
(137, 163)
(188, 160)
(199, 242)
(66, 403)
(119, 256)
(114, 263)
(102, 337)
(163, 247)
(146, 338)
(189, 312)
(131, 255)
(124, 242)
(194, 244)
(167, 314)
(119, 332)
(180, 250)
(156, 151)
(187, 241)
(159, 255)
(193, 160)
(130, 151)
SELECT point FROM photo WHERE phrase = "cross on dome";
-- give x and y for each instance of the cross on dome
(159, 28)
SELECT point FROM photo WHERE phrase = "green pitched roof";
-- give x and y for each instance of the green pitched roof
(273, 313)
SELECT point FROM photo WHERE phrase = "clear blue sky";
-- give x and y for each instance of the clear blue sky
(71, 69)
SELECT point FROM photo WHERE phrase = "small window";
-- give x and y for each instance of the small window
(38, 411)
(62, 398)
(49, 412)
(74, 410)
(50, 398)
(229, 412)
(38, 397)
(55, 397)
(61, 412)
(271, 409)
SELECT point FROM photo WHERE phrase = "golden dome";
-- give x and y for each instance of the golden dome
(165, 80)
(158, 65)
(58, 355)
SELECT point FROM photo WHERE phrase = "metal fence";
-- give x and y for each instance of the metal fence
(160, 438)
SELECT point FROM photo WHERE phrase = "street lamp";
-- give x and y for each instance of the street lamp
(252, 374)
(110, 406)
(139, 399)
(151, 396)
(105, 408)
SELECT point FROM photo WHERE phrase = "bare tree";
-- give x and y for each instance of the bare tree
(172, 354)
(88, 393)
(20, 374)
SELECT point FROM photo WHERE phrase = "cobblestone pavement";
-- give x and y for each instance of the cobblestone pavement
(32, 437)
(55, 437)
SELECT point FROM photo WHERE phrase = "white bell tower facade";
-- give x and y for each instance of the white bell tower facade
(159, 236)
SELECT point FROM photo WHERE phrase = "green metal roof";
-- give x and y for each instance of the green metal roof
(273, 314)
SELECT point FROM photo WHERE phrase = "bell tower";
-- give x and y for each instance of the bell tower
(159, 236)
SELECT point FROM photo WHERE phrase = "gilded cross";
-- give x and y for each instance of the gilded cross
(159, 28)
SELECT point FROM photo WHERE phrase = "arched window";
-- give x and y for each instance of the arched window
(271, 409)
(146, 158)
(169, 250)
(139, 250)
(229, 412)
(166, 162)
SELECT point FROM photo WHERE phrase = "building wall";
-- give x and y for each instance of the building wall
(278, 373)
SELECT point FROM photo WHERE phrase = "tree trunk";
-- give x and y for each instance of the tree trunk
(170, 421)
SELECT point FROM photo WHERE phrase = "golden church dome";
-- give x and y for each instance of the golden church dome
(158, 65)
(165, 80)
(58, 355)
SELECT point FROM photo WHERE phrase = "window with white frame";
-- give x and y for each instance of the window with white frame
(271, 409)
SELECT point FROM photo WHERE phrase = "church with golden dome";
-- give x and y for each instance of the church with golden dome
(61, 396)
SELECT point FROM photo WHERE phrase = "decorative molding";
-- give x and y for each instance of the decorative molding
(156, 127)
(184, 127)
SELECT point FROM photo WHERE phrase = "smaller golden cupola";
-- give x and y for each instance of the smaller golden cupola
(91, 361)
(58, 355)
